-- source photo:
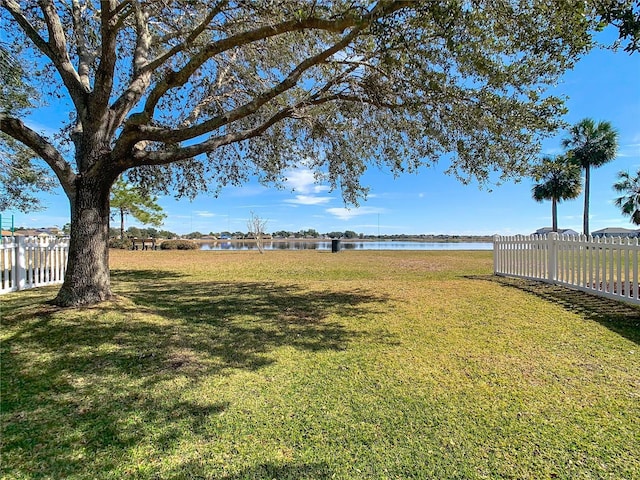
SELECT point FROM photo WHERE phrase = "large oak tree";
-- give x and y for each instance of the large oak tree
(191, 95)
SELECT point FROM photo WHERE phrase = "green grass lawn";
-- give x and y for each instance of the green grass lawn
(232, 365)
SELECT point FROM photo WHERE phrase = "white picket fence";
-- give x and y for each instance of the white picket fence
(602, 266)
(28, 262)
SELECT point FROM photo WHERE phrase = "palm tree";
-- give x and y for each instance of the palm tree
(558, 180)
(629, 202)
(590, 145)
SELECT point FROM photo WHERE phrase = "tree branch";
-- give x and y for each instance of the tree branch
(60, 57)
(364, 99)
(158, 61)
(178, 78)
(143, 40)
(55, 49)
(85, 58)
(221, 74)
(209, 145)
(15, 128)
(141, 76)
(14, 9)
(171, 135)
(103, 83)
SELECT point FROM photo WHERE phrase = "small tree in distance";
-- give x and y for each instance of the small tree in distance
(257, 226)
(126, 199)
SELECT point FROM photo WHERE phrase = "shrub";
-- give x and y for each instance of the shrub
(178, 245)
(121, 244)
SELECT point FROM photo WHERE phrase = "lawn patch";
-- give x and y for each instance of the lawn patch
(230, 365)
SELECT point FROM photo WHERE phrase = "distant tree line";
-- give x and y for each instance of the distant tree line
(347, 235)
(310, 233)
(137, 232)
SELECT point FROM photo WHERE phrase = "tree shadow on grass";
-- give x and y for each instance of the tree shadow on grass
(618, 316)
(84, 385)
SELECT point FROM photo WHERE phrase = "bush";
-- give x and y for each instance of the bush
(178, 245)
(121, 244)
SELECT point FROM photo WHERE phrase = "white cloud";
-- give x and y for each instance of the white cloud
(204, 213)
(349, 213)
(629, 147)
(629, 151)
(309, 200)
(244, 191)
(300, 180)
(303, 180)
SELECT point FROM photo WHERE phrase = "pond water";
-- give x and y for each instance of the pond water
(347, 245)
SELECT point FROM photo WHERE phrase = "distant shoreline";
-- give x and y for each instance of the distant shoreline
(439, 239)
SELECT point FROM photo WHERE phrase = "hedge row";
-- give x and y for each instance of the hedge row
(178, 245)
(125, 244)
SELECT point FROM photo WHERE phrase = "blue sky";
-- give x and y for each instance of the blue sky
(604, 85)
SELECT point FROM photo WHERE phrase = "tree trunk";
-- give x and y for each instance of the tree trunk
(122, 224)
(87, 279)
(554, 215)
(585, 218)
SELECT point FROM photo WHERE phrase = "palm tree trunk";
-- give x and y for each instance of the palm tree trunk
(554, 215)
(585, 218)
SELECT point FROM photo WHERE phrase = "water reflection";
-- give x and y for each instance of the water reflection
(345, 245)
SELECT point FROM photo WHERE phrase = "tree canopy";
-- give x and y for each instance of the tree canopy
(164, 82)
(625, 16)
(20, 176)
(192, 96)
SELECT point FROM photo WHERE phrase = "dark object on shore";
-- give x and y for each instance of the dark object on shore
(144, 244)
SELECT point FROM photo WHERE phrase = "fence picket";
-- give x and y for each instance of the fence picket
(28, 262)
(606, 267)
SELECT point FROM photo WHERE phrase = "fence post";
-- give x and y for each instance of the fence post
(21, 262)
(496, 252)
(552, 257)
